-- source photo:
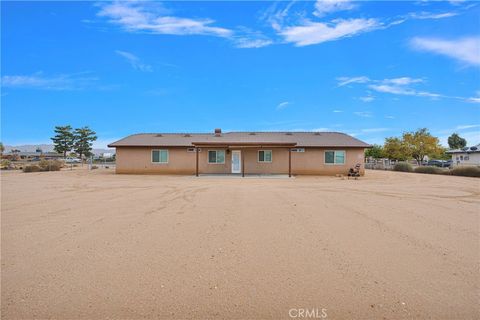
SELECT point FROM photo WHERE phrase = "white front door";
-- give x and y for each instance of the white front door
(237, 161)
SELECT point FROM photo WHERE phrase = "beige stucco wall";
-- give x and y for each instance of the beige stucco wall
(205, 167)
(279, 162)
(312, 161)
(138, 160)
(458, 159)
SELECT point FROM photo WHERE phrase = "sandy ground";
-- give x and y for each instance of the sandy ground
(92, 245)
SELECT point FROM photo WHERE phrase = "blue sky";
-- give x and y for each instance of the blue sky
(370, 69)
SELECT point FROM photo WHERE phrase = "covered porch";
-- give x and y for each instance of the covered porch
(246, 176)
(247, 159)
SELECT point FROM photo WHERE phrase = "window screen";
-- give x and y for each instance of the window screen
(216, 156)
(160, 156)
(329, 156)
(335, 157)
(265, 156)
(339, 157)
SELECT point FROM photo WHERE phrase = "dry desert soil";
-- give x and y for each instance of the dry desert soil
(95, 245)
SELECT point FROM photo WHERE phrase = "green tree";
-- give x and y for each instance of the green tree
(83, 138)
(2, 148)
(421, 143)
(456, 142)
(444, 155)
(376, 152)
(63, 139)
(394, 149)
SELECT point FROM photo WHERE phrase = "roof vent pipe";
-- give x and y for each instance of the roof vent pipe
(218, 132)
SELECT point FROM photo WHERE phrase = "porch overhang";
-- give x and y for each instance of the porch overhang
(244, 145)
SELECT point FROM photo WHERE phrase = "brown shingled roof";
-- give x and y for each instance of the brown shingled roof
(302, 139)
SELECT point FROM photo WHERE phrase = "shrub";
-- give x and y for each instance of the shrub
(430, 170)
(50, 165)
(6, 164)
(403, 166)
(32, 168)
(94, 167)
(466, 171)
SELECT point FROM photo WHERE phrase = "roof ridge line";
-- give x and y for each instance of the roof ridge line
(226, 132)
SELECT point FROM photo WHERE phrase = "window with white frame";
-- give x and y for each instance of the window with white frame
(216, 156)
(335, 157)
(159, 156)
(265, 156)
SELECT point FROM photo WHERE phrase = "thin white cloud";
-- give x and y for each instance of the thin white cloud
(391, 89)
(145, 17)
(306, 31)
(367, 98)
(245, 42)
(374, 130)
(465, 50)
(247, 38)
(402, 81)
(310, 32)
(430, 15)
(152, 17)
(456, 2)
(60, 82)
(363, 114)
(397, 86)
(276, 18)
(403, 90)
(282, 105)
(467, 126)
(337, 111)
(475, 99)
(389, 117)
(324, 7)
(134, 61)
(400, 86)
(343, 81)
(298, 28)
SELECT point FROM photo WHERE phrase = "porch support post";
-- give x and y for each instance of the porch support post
(289, 162)
(196, 161)
(243, 162)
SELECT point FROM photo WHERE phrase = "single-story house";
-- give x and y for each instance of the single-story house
(319, 153)
(468, 156)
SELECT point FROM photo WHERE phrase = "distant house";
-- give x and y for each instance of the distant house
(321, 153)
(468, 156)
(24, 155)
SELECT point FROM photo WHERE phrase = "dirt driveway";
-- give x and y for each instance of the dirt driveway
(91, 245)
